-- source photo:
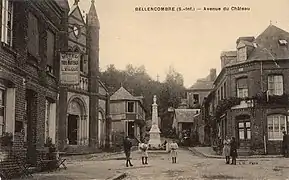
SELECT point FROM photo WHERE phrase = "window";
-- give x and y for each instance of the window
(242, 88)
(242, 55)
(244, 130)
(7, 22)
(33, 35)
(222, 92)
(275, 85)
(276, 125)
(130, 107)
(50, 52)
(2, 111)
(282, 42)
(81, 63)
(196, 98)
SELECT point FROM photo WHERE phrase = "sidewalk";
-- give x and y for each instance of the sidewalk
(208, 152)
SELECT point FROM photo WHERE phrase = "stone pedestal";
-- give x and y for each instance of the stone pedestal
(155, 139)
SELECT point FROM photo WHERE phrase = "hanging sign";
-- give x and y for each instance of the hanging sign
(70, 68)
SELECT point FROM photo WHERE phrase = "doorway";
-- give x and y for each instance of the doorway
(130, 129)
(72, 129)
(244, 131)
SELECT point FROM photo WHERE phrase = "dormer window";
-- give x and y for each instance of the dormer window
(242, 54)
(283, 42)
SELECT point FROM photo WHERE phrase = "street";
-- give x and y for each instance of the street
(160, 167)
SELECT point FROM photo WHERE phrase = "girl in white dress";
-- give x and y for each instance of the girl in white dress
(144, 153)
(173, 147)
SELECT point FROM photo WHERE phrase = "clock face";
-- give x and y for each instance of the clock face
(76, 30)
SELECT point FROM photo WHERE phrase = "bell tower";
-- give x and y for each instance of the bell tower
(93, 56)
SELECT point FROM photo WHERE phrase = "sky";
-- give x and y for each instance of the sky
(190, 41)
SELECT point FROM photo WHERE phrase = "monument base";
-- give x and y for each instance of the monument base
(155, 140)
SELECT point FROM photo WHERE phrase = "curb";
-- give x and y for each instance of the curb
(118, 176)
(198, 153)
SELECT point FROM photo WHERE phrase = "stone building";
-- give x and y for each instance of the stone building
(250, 96)
(32, 34)
(83, 123)
(199, 90)
(127, 114)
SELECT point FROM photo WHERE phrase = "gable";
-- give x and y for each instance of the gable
(241, 44)
(76, 13)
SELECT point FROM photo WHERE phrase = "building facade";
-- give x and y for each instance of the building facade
(127, 114)
(32, 35)
(199, 90)
(83, 123)
(250, 97)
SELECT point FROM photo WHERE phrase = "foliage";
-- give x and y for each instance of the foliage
(139, 83)
(6, 139)
(226, 104)
(261, 98)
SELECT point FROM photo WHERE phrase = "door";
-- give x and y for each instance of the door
(130, 129)
(244, 134)
(72, 129)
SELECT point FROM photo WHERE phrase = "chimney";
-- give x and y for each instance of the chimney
(213, 74)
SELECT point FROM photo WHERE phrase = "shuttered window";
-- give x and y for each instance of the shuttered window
(33, 35)
(50, 51)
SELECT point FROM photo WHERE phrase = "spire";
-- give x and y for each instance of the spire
(76, 2)
(92, 18)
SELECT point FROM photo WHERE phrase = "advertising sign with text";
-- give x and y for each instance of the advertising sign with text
(69, 68)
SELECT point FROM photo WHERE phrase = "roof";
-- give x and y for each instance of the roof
(185, 115)
(123, 94)
(73, 7)
(92, 18)
(63, 3)
(268, 45)
(229, 53)
(202, 84)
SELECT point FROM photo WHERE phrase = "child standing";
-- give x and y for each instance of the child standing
(174, 146)
(144, 154)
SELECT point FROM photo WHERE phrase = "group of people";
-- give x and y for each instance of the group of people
(230, 150)
(143, 146)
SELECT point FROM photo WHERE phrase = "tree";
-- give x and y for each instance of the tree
(139, 83)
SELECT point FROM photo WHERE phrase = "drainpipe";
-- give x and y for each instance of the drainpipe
(264, 126)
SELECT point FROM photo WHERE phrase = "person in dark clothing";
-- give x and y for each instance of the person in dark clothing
(233, 150)
(127, 149)
(285, 144)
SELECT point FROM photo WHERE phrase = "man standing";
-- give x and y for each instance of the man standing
(233, 150)
(127, 149)
(285, 144)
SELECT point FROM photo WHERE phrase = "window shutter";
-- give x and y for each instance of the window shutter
(33, 35)
(85, 64)
(50, 48)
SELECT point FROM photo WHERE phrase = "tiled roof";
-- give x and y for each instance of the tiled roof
(267, 42)
(185, 115)
(73, 7)
(202, 84)
(123, 94)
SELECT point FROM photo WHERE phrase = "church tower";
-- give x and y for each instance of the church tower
(93, 58)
